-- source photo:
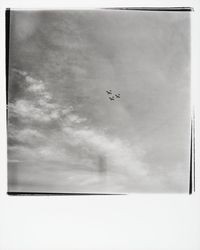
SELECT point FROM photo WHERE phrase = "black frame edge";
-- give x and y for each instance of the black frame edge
(7, 43)
(191, 163)
(152, 8)
(56, 194)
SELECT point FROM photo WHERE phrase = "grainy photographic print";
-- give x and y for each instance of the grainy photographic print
(99, 101)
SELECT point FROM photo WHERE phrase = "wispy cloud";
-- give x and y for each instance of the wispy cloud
(39, 105)
(27, 110)
(75, 142)
(21, 72)
(25, 135)
(120, 155)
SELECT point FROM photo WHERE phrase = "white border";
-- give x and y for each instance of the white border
(135, 222)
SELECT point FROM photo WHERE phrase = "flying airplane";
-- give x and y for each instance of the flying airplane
(109, 92)
(112, 98)
(118, 96)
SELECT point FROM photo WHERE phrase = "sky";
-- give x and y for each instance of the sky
(65, 134)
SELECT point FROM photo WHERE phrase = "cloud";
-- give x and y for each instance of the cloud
(47, 153)
(33, 110)
(74, 142)
(26, 110)
(25, 135)
(42, 111)
(36, 88)
(75, 118)
(39, 104)
(20, 72)
(120, 155)
(38, 107)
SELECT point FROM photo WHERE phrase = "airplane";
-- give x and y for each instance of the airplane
(118, 96)
(109, 92)
(112, 98)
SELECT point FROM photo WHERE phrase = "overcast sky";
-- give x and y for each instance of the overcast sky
(65, 135)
